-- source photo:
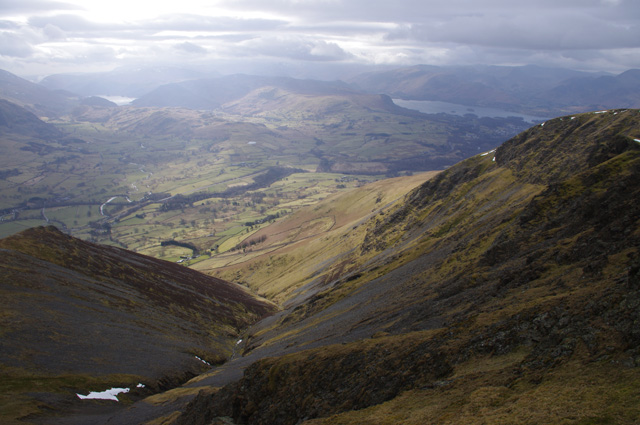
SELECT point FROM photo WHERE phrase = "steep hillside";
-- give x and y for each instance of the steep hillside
(19, 122)
(78, 317)
(34, 97)
(504, 290)
(296, 250)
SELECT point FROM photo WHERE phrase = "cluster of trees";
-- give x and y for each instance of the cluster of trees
(262, 220)
(246, 244)
(181, 244)
(4, 174)
(99, 228)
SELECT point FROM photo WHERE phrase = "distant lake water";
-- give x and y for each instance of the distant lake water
(436, 107)
(118, 100)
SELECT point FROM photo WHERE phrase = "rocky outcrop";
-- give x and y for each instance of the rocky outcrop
(320, 382)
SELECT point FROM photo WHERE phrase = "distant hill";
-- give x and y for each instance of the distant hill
(79, 317)
(505, 289)
(18, 121)
(119, 82)
(34, 97)
(583, 94)
(529, 89)
(212, 93)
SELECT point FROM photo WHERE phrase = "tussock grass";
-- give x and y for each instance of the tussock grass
(576, 393)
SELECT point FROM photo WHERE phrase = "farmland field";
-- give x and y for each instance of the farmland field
(138, 177)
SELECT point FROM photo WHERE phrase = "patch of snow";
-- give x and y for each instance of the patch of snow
(104, 395)
(239, 341)
(637, 140)
(203, 361)
(573, 118)
(251, 143)
(140, 385)
(494, 159)
(487, 153)
(542, 125)
(601, 112)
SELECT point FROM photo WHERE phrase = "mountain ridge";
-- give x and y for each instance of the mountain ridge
(83, 316)
(477, 265)
(528, 89)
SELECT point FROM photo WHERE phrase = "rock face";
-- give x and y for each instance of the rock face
(525, 258)
(322, 382)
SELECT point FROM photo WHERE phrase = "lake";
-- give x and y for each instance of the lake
(436, 107)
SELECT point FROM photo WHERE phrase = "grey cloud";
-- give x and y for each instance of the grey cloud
(53, 32)
(71, 23)
(33, 6)
(87, 55)
(8, 25)
(189, 47)
(187, 22)
(527, 31)
(414, 11)
(149, 29)
(575, 33)
(295, 48)
(14, 46)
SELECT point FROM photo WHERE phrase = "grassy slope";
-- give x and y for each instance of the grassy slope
(297, 248)
(519, 274)
(79, 317)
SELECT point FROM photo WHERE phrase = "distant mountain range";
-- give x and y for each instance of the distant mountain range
(128, 82)
(214, 92)
(528, 89)
(532, 90)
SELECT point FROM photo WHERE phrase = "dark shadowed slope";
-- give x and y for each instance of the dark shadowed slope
(505, 290)
(34, 97)
(80, 317)
(19, 122)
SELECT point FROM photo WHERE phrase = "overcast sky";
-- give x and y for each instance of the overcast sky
(42, 37)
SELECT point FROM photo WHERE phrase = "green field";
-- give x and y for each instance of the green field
(110, 183)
